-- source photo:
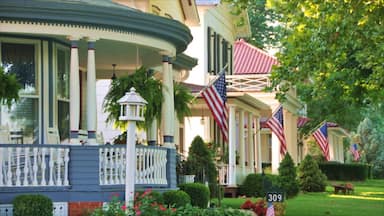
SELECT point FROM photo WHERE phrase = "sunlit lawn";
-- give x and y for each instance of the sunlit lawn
(367, 200)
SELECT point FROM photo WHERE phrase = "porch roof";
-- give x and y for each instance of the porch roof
(249, 59)
(98, 14)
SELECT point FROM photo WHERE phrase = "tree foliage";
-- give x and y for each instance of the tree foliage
(9, 87)
(266, 34)
(311, 179)
(333, 53)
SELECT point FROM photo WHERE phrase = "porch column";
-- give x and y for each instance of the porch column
(168, 107)
(91, 93)
(275, 153)
(257, 137)
(74, 86)
(152, 135)
(251, 143)
(241, 145)
(232, 147)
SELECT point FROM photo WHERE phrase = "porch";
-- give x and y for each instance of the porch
(69, 173)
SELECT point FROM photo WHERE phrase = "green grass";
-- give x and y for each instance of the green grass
(368, 199)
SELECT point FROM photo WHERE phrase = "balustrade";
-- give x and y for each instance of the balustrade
(25, 165)
(151, 165)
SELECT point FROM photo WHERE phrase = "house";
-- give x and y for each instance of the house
(58, 50)
(247, 71)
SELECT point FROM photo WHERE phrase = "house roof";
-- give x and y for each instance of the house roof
(249, 59)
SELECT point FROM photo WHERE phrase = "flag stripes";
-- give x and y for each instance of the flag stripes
(216, 96)
(321, 137)
(276, 124)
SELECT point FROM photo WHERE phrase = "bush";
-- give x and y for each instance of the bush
(200, 162)
(176, 198)
(311, 179)
(198, 192)
(345, 172)
(32, 204)
(287, 177)
(252, 186)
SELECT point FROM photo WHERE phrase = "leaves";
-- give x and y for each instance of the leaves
(332, 53)
(9, 88)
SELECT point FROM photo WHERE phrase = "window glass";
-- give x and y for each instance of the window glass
(62, 89)
(22, 117)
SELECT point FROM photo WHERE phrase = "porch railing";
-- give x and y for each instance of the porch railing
(223, 174)
(254, 82)
(151, 165)
(33, 165)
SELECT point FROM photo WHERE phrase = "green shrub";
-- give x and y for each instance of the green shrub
(252, 186)
(200, 162)
(311, 179)
(198, 192)
(176, 198)
(345, 172)
(287, 177)
(154, 195)
(32, 204)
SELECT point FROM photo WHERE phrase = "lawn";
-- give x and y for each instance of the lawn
(368, 199)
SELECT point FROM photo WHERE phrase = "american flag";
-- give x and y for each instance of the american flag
(355, 152)
(321, 137)
(270, 210)
(215, 96)
(276, 124)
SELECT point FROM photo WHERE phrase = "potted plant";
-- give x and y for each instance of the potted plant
(185, 172)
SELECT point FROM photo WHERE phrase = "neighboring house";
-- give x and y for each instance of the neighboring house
(58, 50)
(213, 46)
(247, 74)
(336, 136)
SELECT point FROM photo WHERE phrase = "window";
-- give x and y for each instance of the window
(20, 59)
(219, 53)
(62, 89)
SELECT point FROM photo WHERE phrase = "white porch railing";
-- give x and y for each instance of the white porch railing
(151, 165)
(33, 166)
(223, 174)
(254, 82)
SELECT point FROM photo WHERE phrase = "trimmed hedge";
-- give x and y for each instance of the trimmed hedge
(32, 204)
(198, 192)
(345, 172)
(176, 198)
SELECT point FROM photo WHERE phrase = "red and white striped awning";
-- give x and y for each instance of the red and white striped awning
(249, 59)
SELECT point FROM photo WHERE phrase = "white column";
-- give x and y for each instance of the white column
(167, 108)
(241, 144)
(257, 137)
(91, 94)
(251, 143)
(232, 147)
(130, 167)
(74, 86)
(275, 154)
(152, 134)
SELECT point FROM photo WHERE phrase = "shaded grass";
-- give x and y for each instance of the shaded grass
(367, 199)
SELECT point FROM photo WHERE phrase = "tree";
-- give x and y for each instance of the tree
(311, 179)
(265, 33)
(287, 176)
(332, 54)
(9, 87)
(371, 131)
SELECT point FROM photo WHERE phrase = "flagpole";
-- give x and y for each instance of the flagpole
(210, 82)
